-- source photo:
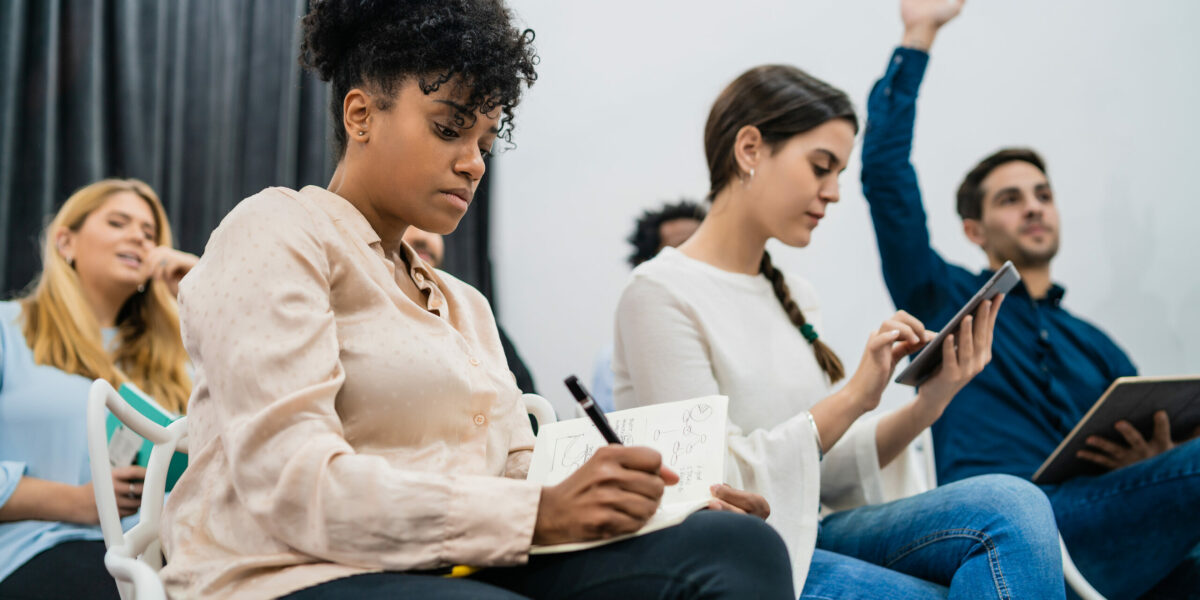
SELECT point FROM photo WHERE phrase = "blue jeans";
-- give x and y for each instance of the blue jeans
(1128, 529)
(991, 536)
(710, 555)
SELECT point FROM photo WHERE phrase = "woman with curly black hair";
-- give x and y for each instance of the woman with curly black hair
(354, 429)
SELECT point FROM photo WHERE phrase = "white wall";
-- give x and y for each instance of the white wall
(1107, 90)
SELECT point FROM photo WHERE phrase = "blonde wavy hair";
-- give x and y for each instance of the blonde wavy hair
(62, 330)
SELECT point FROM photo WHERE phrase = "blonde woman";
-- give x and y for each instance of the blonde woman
(103, 307)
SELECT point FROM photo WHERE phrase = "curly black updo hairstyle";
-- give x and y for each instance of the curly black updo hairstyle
(382, 43)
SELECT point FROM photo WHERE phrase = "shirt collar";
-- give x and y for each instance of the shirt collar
(341, 211)
(1054, 295)
(345, 214)
(416, 263)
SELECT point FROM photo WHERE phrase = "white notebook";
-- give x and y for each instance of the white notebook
(690, 435)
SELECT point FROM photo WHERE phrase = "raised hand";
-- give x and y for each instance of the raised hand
(923, 18)
(614, 492)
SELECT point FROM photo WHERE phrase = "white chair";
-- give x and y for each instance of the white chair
(133, 558)
(1075, 579)
(539, 408)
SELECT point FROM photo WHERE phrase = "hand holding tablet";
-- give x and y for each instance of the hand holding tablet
(926, 363)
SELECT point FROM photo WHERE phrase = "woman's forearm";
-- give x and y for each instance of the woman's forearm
(899, 428)
(43, 500)
(835, 414)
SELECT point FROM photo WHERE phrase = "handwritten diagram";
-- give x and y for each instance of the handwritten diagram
(570, 452)
(684, 437)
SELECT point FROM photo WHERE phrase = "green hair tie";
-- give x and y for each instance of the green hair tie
(809, 333)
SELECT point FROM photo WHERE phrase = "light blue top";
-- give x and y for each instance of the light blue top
(602, 379)
(43, 434)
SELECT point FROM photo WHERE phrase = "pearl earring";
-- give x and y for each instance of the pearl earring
(362, 133)
(141, 287)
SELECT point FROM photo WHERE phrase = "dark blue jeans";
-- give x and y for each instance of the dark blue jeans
(1136, 528)
(67, 571)
(986, 537)
(710, 555)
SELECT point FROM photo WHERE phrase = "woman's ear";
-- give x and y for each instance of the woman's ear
(356, 115)
(747, 149)
(65, 241)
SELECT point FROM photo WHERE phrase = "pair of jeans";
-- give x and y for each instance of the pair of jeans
(991, 536)
(68, 571)
(710, 555)
(1136, 528)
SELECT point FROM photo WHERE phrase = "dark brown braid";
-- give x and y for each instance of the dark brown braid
(826, 358)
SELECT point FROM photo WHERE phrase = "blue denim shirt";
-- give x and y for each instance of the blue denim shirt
(1048, 366)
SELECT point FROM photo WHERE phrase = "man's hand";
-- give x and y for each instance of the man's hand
(613, 493)
(1114, 455)
(739, 501)
(923, 18)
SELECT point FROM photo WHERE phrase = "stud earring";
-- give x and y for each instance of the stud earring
(751, 173)
(141, 287)
(362, 133)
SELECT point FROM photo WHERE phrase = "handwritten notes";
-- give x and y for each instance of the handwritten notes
(689, 434)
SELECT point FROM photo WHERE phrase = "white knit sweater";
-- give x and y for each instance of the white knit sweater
(686, 329)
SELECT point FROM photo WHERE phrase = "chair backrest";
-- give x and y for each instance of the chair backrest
(133, 558)
(539, 408)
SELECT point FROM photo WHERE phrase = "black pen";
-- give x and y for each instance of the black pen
(593, 411)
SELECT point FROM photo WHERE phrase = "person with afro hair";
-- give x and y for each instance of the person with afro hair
(354, 430)
(666, 227)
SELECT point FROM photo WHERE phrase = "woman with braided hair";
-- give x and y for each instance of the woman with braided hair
(355, 431)
(715, 316)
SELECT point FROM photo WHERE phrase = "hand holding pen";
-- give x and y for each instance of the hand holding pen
(590, 408)
(724, 497)
(615, 492)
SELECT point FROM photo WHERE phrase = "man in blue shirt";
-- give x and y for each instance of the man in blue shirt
(1127, 528)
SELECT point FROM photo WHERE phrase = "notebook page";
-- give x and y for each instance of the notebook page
(690, 435)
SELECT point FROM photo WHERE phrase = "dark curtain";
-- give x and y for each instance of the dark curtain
(202, 99)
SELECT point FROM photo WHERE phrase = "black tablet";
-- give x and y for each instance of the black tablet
(927, 362)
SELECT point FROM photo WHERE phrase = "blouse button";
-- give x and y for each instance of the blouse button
(474, 362)
(480, 420)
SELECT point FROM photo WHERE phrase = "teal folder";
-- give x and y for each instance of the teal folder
(143, 404)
